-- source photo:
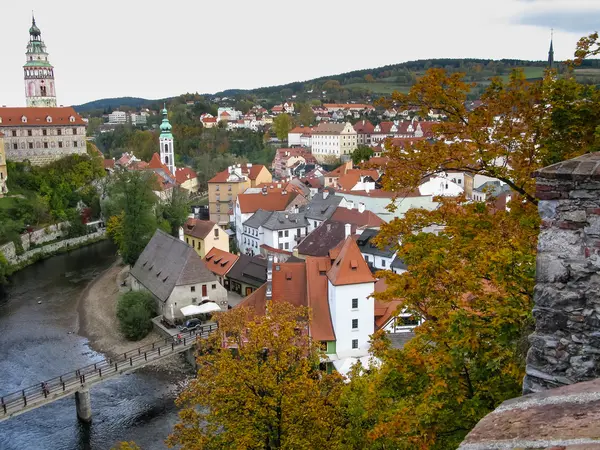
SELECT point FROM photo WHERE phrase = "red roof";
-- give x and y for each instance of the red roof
(350, 266)
(219, 262)
(138, 165)
(273, 200)
(198, 228)
(289, 283)
(184, 174)
(364, 127)
(355, 217)
(155, 164)
(352, 177)
(39, 117)
(209, 120)
(270, 249)
(252, 173)
(321, 328)
(225, 113)
(384, 310)
(109, 163)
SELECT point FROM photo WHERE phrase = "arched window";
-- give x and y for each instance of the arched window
(166, 148)
(166, 160)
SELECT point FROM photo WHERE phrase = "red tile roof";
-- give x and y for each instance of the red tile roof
(347, 181)
(289, 283)
(350, 266)
(321, 328)
(384, 310)
(109, 163)
(184, 174)
(360, 219)
(252, 173)
(364, 127)
(270, 249)
(198, 228)
(219, 262)
(39, 117)
(273, 200)
(156, 163)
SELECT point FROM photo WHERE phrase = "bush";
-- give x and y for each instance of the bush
(134, 311)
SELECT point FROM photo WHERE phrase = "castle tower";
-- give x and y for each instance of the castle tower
(39, 73)
(167, 152)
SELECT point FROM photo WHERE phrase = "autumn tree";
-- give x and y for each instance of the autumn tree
(259, 386)
(306, 115)
(282, 124)
(473, 280)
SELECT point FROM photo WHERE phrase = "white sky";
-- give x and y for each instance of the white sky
(156, 49)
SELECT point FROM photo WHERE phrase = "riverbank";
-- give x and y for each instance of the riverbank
(99, 324)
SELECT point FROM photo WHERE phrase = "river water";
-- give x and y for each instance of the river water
(37, 342)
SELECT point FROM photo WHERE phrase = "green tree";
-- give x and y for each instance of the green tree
(175, 210)
(135, 310)
(362, 153)
(282, 124)
(306, 116)
(266, 391)
(132, 194)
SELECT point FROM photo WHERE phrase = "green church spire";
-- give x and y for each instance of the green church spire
(165, 126)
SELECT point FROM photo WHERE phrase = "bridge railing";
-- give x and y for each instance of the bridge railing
(101, 368)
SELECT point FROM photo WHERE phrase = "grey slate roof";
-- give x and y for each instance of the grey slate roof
(284, 221)
(366, 245)
(167, 262)
(249, 270)
(397, 263)
(321, 208)
(325, 237)
(493, 188)
(258, 218)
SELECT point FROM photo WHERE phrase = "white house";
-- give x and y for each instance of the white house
(441, 186)
(333, 140)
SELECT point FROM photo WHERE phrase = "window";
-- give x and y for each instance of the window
(383, 263)
(45, 145)
(354, 303)
(280, 246)
(214, 286)
(204, 291)
(194, 299)
(280, 234)
(287, 233)
(193, 288)
(59, 132)
(15, 147)
(216, 232)
(59, 144)
(44, 132)
(74, 143)
(287, 246)
(14, 133)
(31, 145)
(193, 243)
(29, 133)
(187, 240)
(354, 343)
(74, 130)
(355, 324)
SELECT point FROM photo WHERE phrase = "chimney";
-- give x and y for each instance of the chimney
(269, 294)
(249, 165)
(181, 234)
(296, 209)
(350, 204)
(325, 194)
(230, 169)
(348, 230)
(367, 188)
(361, 207)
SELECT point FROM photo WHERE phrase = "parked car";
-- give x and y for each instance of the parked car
(191, 325)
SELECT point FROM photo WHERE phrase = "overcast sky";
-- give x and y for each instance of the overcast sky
(156, 49)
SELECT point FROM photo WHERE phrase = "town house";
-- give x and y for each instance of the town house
(204, 235)
(332, 141)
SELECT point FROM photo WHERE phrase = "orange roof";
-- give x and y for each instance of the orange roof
(350, 266)
(341, 170)
(209, 119)
(354, 217)
(184, 174)
(219, 262)
(225, 113)
(198, 228)
(273, 200)
(108, 163)
(289, 283)
(321, 328)
(252, 172)
(347, 181)
(384, 310)
(257, 300)
(156, 163)
(39, 117)
(138, 165)
(301, 130)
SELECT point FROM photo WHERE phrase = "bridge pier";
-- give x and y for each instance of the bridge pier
(190, 357)
(83, 403)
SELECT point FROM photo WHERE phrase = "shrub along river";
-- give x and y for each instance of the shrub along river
(38, 341)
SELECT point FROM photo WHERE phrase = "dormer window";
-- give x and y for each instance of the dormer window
(24, 119)
(71, 119)
(48, 119)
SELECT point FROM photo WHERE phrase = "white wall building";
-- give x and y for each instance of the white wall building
(117, 117)
(333, 140)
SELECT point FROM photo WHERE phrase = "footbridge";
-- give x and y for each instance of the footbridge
(79, 381)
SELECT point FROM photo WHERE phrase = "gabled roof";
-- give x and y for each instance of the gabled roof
(397, 263)
(46, 117)
(167, 262)
(347, 181)
(324, 238)
(355, 217)
(249, 270)
(251, 172)
(273, 200)
(183, 174)
(289, 283)
(219, 262)
(384, 311)
(156, 164)
(329, 128)
(108, 163)
(198, 228)
(350, 266)
(257, 219)
(366, 245)
(321, 328)
(285, 221)
(364, 127)
(322, 206)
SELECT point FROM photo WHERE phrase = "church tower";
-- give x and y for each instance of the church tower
(167, 152)
(551, 52)
(39, 73)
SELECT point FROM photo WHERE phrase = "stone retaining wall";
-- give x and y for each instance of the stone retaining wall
(565, 347)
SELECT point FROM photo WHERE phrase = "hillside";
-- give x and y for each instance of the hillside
(368, 84)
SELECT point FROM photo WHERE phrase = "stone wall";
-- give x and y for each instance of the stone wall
(565, 347)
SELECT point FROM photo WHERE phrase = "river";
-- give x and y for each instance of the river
(37, 342)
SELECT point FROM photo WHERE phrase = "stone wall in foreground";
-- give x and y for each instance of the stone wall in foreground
(565, 347)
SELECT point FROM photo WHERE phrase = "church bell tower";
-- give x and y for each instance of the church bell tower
(39, 73)
(167, 152)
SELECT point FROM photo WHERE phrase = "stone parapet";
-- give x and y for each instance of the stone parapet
(565, 347)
